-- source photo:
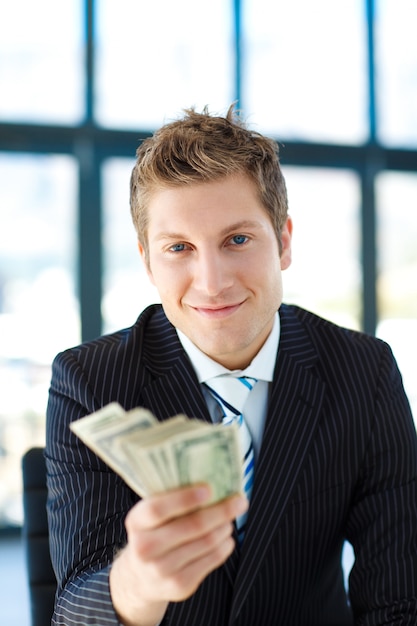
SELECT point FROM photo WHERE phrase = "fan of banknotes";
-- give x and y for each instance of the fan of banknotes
(153, 456)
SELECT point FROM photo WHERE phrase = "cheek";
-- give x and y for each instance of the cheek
(272, 280)
(169, 281)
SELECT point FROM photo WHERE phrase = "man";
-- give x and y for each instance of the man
(333, 436)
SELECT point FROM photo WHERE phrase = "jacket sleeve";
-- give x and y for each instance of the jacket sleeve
(382, 523)
(87, 504)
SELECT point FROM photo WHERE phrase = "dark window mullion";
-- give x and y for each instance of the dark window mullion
(90, 246)
(369, 268)
(90, 250)
(368, 212)
(237, 21)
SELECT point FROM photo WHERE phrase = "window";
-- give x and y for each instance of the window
(38, 305)
(41, 61)
(397, 281)
(83, 82)
(306, 64)
(127, 289)
(396, 55)
(325, 272)
(156, 58)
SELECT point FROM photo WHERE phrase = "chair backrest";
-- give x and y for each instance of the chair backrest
(41, 577)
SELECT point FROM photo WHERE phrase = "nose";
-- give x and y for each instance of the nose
(212, 275)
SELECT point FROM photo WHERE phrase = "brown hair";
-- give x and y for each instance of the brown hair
(199, 148)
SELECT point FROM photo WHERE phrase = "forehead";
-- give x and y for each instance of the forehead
(224, 199)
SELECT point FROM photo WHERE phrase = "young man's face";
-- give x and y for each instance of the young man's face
(214, 258)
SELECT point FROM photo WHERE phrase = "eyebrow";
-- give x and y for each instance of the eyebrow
(241, 225)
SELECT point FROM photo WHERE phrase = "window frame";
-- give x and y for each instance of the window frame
(91, 145)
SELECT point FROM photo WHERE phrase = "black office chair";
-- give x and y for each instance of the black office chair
(41, 577)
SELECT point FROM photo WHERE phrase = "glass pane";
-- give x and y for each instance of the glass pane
(156, 58)
(306, 69)
(396, 58)
(325, 274)
(38, 308)
(41, 55)
(397, 283)
(127, 289)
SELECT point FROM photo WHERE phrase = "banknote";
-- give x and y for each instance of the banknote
(105, 431)
(207, 457)
(153, 456)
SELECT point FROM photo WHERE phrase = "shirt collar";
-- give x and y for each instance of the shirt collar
(262, 366)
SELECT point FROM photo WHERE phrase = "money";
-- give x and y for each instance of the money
(153, 456)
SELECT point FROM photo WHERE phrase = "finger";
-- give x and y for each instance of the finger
(199, 523)
(160, 508)
(151, 544)
(187, 580)
(175, 560)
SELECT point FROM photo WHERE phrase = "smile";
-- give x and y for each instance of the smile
(218, 312)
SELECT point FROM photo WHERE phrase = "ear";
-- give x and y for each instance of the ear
(286, 237)
(145, 260)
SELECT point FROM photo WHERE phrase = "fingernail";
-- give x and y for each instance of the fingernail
(241, 505)
(202, 493)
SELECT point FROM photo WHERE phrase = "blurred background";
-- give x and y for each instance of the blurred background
(82, 82)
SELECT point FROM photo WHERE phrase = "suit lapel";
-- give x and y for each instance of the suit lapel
(169, 385)
(176, 392)
(294, 408)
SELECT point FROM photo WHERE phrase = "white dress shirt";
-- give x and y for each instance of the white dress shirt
(262, 368)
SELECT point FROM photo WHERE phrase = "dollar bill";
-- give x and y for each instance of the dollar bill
(105, 431)
(207, 457)
(153, 456)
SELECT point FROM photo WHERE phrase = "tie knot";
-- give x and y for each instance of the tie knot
(231, 391)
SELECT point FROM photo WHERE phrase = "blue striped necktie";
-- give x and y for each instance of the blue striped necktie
(231, 394)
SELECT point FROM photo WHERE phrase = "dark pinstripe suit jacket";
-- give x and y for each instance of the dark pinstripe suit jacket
(338, 460)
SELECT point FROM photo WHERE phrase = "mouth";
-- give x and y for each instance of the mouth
(217, 312)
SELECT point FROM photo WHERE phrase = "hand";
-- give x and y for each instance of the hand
(174, 542)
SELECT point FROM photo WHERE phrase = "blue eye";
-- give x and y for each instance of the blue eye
(239, 239)
(177, 247)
